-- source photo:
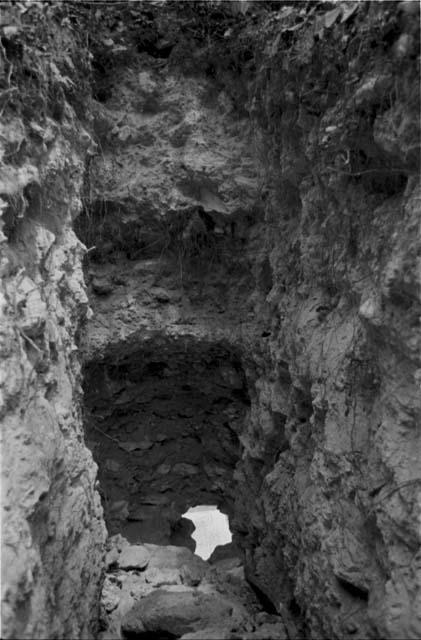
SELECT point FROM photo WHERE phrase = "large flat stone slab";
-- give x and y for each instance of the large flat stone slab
(176, 612)
(134, 556)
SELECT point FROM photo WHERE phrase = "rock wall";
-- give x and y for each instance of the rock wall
(52, 527)
(168, 273)
(340, 366)
(268, 183)
(251, 218)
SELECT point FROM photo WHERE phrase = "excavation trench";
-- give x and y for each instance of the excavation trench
(162, 422)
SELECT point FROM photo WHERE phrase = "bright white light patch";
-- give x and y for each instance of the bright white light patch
(212, 529)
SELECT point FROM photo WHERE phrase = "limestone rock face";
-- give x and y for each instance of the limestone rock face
(167, 218)
(52, 526)
(168, 273)
(307, 287)
(251, 218)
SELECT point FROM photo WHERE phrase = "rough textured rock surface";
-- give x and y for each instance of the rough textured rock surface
(52, 526)
(308, 277)
(179, 594)
(252, 215)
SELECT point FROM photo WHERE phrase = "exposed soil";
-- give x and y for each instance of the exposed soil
(209, 228)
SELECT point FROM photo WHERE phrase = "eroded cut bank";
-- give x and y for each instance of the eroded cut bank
(246, 184)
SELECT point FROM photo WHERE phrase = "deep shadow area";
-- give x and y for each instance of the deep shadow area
(148, 635)
(162, 422)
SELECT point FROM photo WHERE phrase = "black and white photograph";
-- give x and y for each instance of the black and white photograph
(210, 319)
